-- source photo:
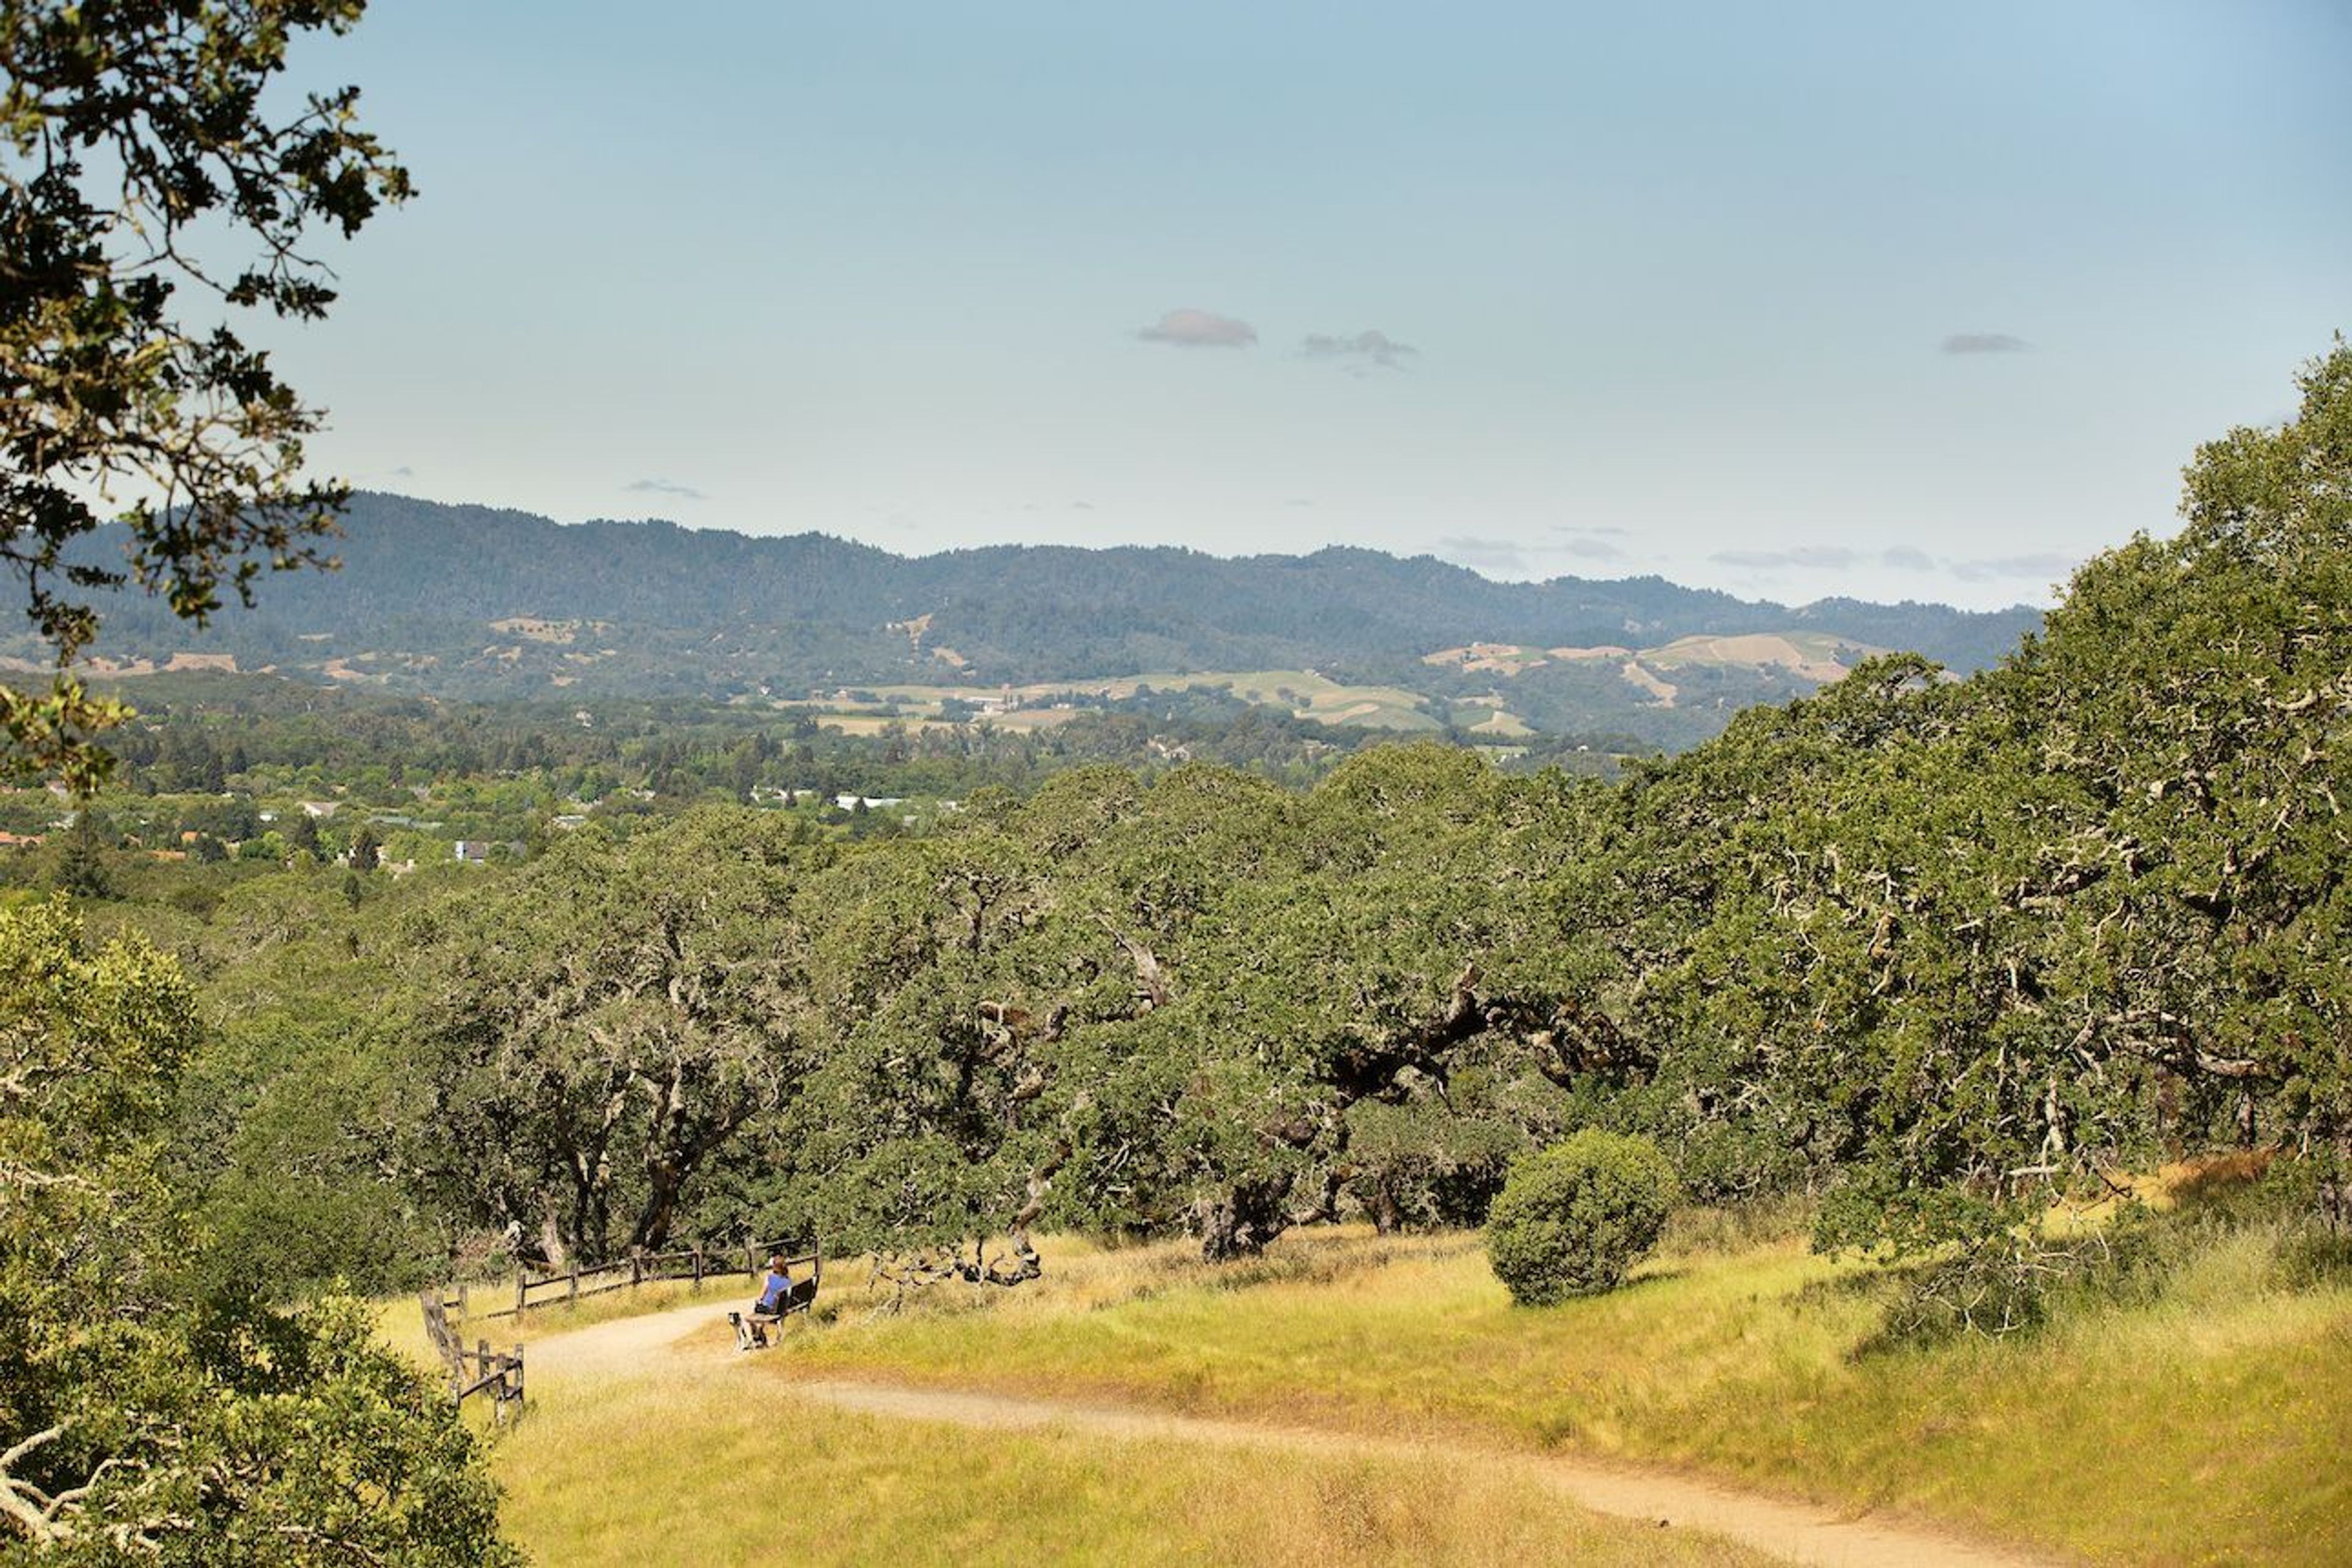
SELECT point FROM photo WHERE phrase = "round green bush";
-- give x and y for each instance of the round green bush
(1574, 1219)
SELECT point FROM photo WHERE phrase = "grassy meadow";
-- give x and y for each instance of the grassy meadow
(2203, 1423)
(2201, 1418)
(663, 1456)
(1304, 692)
(705, 1468)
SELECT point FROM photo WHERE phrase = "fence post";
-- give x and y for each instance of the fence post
(636, 1269)
(572, 1292)
(697, 1266)
(461, 1298)
(522, 1289)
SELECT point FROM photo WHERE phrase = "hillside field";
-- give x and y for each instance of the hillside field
(1304, 693)
(2201, 1422)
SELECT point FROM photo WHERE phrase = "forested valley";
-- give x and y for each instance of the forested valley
(1323, 1057)
(1931, 949)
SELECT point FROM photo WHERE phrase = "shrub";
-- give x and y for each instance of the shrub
(2227, 1237)
(2003, 1286)
(1574, 1218)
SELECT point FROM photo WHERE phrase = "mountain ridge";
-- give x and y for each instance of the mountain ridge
(425, 589)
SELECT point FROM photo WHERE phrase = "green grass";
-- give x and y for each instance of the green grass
(2207, 1425)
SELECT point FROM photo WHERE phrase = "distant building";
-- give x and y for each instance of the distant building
(472, 851)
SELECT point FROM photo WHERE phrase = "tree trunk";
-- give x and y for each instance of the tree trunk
(1240, 1221)
(1387, 1217)
(551, 1243)
(661, 1207)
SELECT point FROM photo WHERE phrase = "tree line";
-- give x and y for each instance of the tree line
(1931, 949)
(1934, 949)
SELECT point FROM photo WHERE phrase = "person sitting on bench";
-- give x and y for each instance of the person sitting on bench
(775, 1290)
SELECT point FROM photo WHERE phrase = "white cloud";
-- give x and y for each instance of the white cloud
(1999, 568)
(1804, 557)
(1369, 347)
(1985, 343)
(665, 487)
(1190, 328)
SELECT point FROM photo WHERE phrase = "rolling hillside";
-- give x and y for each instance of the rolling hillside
(463, 601)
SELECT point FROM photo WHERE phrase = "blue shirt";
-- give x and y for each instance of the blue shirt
(774, 1290)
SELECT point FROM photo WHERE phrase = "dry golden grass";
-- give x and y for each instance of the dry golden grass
(686, 1461)
(2207, 1425)
(2204, 1421)
(400, 1323)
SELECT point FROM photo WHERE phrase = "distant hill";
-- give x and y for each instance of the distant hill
(468, 601)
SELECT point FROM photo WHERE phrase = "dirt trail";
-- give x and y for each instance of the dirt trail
(630, 1341)
(1800, 1532)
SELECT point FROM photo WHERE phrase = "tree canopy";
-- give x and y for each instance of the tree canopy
(141, 169)
(1938, 949)
(148, 1417)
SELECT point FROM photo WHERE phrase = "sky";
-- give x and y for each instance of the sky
(1794, 300)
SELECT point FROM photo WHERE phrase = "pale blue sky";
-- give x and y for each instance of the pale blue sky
(1679, 283)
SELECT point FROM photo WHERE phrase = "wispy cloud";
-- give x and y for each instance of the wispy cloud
(1483, 554)
(1585, 548)
(664, 487)
(403, 472)
(1190, 328)
(1359, 350)
(2044, 568)
(1804, 558)
(1985, 343)
(1608, 529)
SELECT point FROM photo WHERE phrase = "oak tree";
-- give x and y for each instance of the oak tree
(151, 194)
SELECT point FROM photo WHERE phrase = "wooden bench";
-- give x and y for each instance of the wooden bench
(751, 1328)
(478, 1371)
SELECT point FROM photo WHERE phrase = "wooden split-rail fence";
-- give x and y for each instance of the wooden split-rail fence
(695, 1263)
(482, 1371)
